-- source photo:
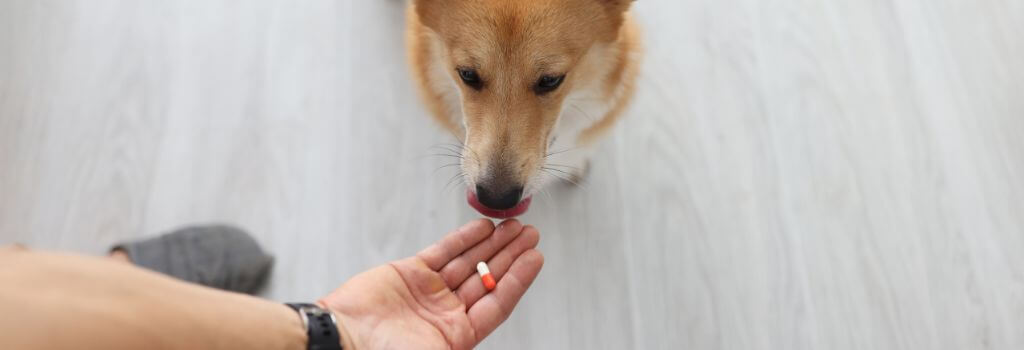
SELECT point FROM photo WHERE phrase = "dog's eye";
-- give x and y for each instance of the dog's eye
(548, 84)
(469, 76)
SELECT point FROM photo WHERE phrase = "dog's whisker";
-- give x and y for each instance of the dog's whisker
(448, 147)
(561, 171)
(546, 194)
(473, 153)
(562, 151)
(585, 114)
(562, 166)
(446, 144)
(436, 155)
(447, 150)
(460, 175)
(445, 166)
(459, 156)
(441, 151)
(555, 175)
(569, 179)
(445, 155)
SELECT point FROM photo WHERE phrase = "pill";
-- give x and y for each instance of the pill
(485, 275)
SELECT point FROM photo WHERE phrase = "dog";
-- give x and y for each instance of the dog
(527, 86)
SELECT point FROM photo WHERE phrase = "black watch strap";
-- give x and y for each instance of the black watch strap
(321, 326)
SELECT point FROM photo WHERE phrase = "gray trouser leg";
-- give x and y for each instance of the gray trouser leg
(222, 257)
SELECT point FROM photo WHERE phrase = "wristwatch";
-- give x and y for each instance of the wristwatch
(321, 326)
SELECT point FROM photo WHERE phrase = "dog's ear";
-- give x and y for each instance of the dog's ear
(616, 10)
(616, 6)
(429, 11)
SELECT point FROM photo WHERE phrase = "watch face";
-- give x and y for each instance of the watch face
(316, 311)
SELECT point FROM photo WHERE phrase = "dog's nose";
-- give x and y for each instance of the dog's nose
(499, 200)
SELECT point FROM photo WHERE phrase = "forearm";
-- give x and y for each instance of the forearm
(67, 301)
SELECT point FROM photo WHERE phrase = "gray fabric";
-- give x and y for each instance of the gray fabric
(222, 257)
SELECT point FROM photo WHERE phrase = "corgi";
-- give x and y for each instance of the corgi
(527, 86)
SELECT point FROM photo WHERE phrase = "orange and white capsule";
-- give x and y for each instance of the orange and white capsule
(485, 275)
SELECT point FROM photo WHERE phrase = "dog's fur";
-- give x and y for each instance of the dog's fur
(508, 130)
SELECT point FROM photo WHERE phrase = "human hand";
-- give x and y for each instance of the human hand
(435, 300)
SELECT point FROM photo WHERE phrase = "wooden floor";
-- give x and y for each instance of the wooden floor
(793, 175)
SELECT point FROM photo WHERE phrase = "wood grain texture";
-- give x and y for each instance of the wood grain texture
(792, 175)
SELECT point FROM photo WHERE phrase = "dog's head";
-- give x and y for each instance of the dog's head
(515, 61)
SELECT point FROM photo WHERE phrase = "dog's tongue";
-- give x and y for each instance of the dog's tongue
(519, 209)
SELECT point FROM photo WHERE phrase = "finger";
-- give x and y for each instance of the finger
(462, 266)
(491, 310)
(473, 288)
(455, 243)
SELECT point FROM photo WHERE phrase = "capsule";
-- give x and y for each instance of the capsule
(485, 275)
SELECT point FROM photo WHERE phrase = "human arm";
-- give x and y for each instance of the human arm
(430, 300)
(64, 301)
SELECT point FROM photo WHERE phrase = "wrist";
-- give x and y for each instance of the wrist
(346, 328)
(296, 336)
(321, 326)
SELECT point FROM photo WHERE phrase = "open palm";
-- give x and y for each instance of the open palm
(434, 300)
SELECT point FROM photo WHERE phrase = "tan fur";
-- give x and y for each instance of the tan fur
(511, 44)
